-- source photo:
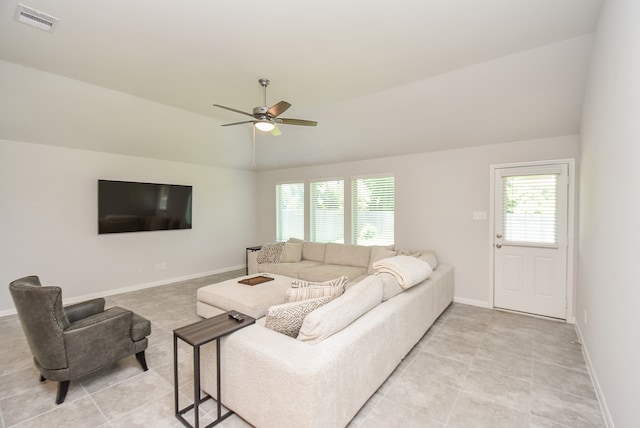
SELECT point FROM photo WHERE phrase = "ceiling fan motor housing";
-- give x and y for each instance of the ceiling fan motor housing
(268, 116)
(260, 110)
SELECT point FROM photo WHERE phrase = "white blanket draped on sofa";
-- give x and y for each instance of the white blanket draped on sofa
(407, 270)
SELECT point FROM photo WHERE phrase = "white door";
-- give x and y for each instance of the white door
(530, 244)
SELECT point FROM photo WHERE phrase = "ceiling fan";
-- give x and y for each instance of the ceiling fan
(266, 118)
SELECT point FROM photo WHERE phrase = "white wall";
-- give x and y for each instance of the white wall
(48, 221)
(436, 195)
(45, 108)
(608, 286)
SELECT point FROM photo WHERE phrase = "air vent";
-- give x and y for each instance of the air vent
(35, 18)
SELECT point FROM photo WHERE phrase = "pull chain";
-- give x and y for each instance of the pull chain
(254, 146)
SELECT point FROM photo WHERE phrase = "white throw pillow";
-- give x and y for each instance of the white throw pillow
(339, 313)
(291, 252)
(287, 318)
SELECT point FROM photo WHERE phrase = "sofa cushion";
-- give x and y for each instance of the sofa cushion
(340, 312)
(287, 318)
(291, 252)
(379, 253)
(426, 255)
(270, 252)
(429, 257)
(327, 272)
(390, 286)
(347, 255)
(304, 290)
(313, 251)
(287, 269)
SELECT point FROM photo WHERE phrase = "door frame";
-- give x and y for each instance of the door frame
(571, 227)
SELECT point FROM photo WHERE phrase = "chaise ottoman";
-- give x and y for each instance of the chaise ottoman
(252, 300)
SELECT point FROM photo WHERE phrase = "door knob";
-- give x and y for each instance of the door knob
(498, 245)
(499, 236)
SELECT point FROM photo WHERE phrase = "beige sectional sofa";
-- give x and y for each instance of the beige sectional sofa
(315, 261)
(274, 380)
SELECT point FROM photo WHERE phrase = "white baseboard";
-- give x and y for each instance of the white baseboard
(136, 287)
(7, 312)
(594, 379)
(472, 302)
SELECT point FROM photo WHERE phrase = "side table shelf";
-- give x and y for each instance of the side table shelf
(196, 335)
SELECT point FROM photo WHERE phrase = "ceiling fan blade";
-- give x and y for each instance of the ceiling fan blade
(278, 109)
(232, 109)
(276, 131)
(238, 123)
(299, 122)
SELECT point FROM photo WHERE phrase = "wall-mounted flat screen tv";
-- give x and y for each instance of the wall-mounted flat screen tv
(125, 206)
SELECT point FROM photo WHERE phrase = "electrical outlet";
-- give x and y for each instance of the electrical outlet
(161, 266)
(479, 215)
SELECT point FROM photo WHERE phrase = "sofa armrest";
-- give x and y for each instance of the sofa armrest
(269, 364)
(110, 316)
(84, 309)
(252, 259)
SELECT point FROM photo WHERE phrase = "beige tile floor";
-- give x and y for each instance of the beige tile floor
(474, 368)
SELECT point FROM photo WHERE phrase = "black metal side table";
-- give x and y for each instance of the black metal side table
(196, 335)
(246, 257)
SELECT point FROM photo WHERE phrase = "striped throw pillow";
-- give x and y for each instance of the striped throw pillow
(302, 290)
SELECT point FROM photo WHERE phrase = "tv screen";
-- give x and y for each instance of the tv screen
(125, 206)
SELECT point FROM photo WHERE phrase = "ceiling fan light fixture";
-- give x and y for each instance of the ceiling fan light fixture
(264, 125)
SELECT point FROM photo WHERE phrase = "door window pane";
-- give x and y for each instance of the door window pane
(530, 209)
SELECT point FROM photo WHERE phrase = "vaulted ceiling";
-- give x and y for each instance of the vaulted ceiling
(381, 78)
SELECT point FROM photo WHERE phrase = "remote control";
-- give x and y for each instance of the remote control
(236, 316)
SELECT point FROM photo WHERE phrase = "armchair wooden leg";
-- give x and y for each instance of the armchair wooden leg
(42, 379)
(142, 360)
(63, 387)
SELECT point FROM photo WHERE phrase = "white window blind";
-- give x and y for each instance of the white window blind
(289, 211)
(327, 211)
(530, 209)
(373, 210)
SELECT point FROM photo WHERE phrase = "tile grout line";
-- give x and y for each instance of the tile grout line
(96, 404)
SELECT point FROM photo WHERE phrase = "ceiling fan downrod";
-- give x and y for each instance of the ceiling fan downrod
(264, 82)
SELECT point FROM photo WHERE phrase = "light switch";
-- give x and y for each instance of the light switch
(479, 215)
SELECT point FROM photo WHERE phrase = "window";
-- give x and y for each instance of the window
(289, 211)
(372, 210)
(530, 209)
(327, 211)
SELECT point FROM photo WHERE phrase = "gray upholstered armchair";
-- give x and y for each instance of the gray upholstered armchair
(72, 341)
